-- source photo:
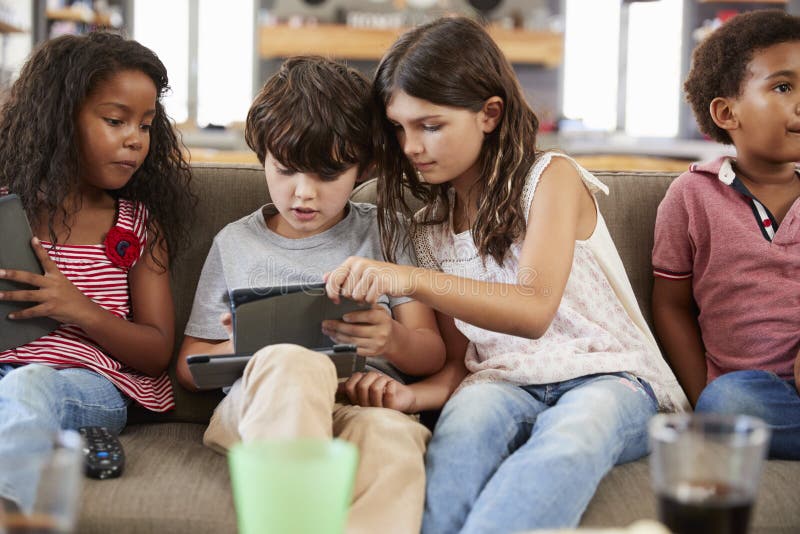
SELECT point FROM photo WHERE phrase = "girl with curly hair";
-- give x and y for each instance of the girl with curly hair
(87, 146)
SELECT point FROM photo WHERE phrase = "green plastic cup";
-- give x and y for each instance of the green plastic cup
(298, 486)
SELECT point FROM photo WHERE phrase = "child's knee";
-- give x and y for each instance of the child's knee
(29, 380)
(36, 387)
(735, 392)
(385, 425)
(479, 407)
(290, 360)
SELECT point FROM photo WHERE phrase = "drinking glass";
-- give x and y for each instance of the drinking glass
(705, 470)
(48, 484)
(302, 486)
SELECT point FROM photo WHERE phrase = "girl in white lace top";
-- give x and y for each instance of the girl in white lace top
(553, 371)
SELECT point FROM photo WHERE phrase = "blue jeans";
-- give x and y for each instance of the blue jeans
(762, 394)
(35, 402)
(505, 458)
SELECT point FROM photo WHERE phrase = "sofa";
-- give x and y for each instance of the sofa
(172, 484)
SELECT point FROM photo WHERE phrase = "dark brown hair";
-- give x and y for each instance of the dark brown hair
(719, 63)
(313, 115)
(39, 157)
(454, 62)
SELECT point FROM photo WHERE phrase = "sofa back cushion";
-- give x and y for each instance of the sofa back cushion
(225, 192)
(630, 214)
(228, 192)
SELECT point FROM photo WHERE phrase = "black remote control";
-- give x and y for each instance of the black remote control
(103, 454)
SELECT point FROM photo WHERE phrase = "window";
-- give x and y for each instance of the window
(591, 62)
(647, 36)
(164, 28)
(225, 61)
(220, 87)
(653, 90)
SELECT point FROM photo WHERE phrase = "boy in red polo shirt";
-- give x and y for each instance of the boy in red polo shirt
(726, 260)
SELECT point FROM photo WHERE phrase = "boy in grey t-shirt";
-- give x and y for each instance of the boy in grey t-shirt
(310, 126)
(247, 253)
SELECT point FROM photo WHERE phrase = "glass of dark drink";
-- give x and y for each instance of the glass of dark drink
(705, 470)
(45, 486)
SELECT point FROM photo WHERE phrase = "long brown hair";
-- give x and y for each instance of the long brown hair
(454, 62)
(38, 142)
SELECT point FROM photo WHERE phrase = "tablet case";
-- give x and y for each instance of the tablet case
(281, 314)
(284, 314)
(16, 253)
(221, 370)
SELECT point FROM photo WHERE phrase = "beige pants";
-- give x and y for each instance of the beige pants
(287, 391)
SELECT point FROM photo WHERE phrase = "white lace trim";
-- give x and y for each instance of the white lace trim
(423, 248)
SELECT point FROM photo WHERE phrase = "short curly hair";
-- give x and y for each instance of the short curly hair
(719, 63)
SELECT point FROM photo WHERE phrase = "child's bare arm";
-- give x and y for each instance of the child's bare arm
(375, 389)
(417, 347)
(675, 317)
(433, 392)
(194, 345)
(410, 341)
(564, 211)
(797, 371)
(144, 344)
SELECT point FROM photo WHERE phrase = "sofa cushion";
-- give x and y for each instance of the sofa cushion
(624, 496)
(630, 214)
(226, 193)
(172, 483)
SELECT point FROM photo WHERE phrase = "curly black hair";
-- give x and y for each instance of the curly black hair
(719, 63)
(39, 154)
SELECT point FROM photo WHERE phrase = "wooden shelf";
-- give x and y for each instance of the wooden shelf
(70, 15)
(520, 46)
(101, 19)
(210, 155)
(10, 28)
(625, 162)
(79, 15)
(606, 162)
(343, 42)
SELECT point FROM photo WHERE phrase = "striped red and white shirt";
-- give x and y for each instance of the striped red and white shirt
(92, 272)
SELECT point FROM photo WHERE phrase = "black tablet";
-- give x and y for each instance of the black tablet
(281, 314)
(16, 253)
(222, 370)
(284, 314)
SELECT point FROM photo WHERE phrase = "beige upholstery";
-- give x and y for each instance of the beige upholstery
(172, 484)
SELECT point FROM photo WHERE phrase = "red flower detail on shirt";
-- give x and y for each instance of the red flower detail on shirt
(122, 247)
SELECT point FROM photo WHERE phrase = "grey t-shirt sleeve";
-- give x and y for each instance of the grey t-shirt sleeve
(210, 299)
